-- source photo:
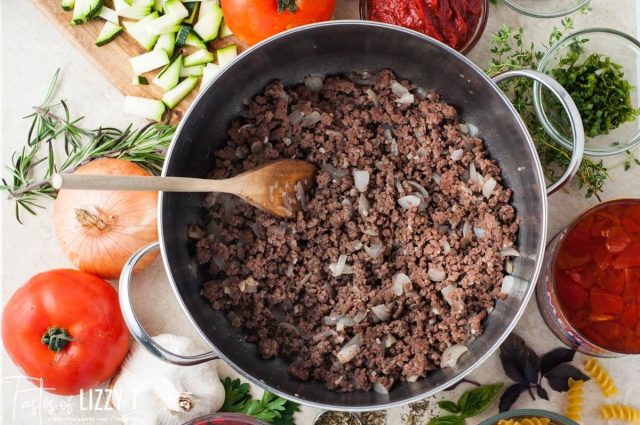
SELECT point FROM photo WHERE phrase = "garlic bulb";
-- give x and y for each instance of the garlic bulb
(148, 391)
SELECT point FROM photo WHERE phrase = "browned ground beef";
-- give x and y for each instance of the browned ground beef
(272, 277)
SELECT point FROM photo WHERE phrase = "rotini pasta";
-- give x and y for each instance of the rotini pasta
(575, 400)
(508, 422)
(595, 370)
(620, 412)
(535, 421)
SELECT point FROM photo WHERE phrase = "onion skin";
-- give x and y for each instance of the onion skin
(99, 230)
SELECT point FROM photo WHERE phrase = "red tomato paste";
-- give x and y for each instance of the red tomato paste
(453, 22)
(597, 276)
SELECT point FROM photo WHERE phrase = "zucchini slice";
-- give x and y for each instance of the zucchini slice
(227, 54)
(148, 108)
(138, 30)
(209, 71)
(134, 11)
(149, 61)
(225, 31)
(176, 9)
(167, 43)
(181, 36)
(108, 33)
(194, 40)
(170, 75)
(67, 4)
(109, 15)
(162, 25)
(83, 10)
(192, 7)
(198, 58)
(191, 71)
(209, 20)
(179, 92)
(139, 80)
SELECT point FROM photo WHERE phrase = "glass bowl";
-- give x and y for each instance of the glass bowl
(623, 50)
(556, 419)
(473, 40)
(546, 8)
(226, 419)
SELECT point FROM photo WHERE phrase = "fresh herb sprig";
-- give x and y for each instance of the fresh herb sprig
(52, 124)
(471, 403)
(510, 52)
(270, 408)
(523, 365)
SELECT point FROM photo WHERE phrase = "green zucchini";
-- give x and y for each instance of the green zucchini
(181, 35)
(209, 71)
(189, 71)
(132, 11)
(198, 58)
(109, 14)
(108, 33)
(170, 75)
(225, 31)
(138, 30)
(167, 43)
(209, 20)
(176, 9)
(148, 108)
(68, 4)
(194, 40)
(162, 25)
(179, 92)
(149, 61)
(83, 10)
(226, 54)
(192, 7)
(139, 80)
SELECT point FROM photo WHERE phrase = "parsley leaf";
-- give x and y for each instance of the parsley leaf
(270, 408)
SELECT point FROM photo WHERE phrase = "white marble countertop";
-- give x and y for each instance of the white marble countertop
(31, 52)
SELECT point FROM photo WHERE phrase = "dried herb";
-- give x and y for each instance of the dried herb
(374, 418)
(522, 365)
(288, 5)
(336, 418)
(471, 403)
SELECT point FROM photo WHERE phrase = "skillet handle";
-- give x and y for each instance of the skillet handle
(574, 119)
(134, 325)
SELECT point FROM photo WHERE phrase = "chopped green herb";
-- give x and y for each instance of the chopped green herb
(471, 403)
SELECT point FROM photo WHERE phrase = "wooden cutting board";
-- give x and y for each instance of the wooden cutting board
(113, 59)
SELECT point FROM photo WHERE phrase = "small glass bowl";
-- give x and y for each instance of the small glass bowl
(528, 413)
(473, 40)
(623, 50)
(546, 8)
(226, 419)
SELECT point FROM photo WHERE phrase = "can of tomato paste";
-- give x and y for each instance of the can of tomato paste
(589, 289)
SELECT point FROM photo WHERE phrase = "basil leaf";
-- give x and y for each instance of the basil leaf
(554, 358)
(477, 400)
(519, 362)
(447, 420)
(449, 406)
(559, 377)
(510, 396)
(542, 393)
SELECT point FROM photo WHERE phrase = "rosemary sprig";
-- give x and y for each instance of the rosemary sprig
(52, 124)
(509, 52)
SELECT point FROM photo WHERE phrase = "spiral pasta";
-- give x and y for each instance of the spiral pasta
(575, 399)
(508, 422)
(535, 421)
(620, 412)
(595, 370)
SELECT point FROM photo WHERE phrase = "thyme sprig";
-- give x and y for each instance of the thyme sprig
(510, 52)
(52, 124)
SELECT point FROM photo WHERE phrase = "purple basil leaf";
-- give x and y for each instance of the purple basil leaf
(559, 377)
(519, 362)
(531, 372)
(554, 358)
(542, 393)
(510, 396)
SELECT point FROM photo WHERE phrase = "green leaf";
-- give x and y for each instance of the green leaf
(449, 406)
(447, 420)
(477, 400)
(236, 395)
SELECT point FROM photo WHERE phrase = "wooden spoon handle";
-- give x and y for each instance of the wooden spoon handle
(138, 183)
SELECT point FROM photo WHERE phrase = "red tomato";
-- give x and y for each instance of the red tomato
(65, 326)
(255, 20)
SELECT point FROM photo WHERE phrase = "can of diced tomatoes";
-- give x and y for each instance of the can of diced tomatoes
(589, 289)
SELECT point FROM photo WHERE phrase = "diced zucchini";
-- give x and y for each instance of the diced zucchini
(198, 58)
(83, 10)
(138, 31)
(167, 43)
(170, 75)
(109, 15)
(67, 4)
(108, 33)
(125, 10)
(209, 20)
(149, 61)
(141, 3)
(179, 92)
(157, 5)
(188, 71)
(192, 7)
(181, 35)
(225, 31)
(209, 71)
(148, 108)
(139, 80)
(176, 9)
(194, 40)
(162, 25)
(227, 54)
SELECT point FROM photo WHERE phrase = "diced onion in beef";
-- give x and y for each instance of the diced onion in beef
(420, 188)
(409, 201)
(473, 174)
(508, 285)
(311, 119)
(372, 96)
(332, 320)
(479, 232)
(361, 179)
(210, 199)
(464, 129)
(452, 354)
(488, 187)
(406, 99)
(436, 275)
(363, 205)
(290, 327)
(389, 340)
(362, 78)
(295, 117)
(359, 317)
(249, 285)
(322, 335)
(336, 173)
(466, 229)
(421, 92)
(195, 232)
(412, 378)
(344, 322)
(456, 155)
(401, 283)
(337, 268)
(446, 247)
(436, 178)
(374, 250)
(314, 82)
(379, 388)
(350, 350)
(509, 251)
(382, 312)
(234, 319)
(398, 89)
(473, 130)
(508, 266)
(446, 292)
(371, 232)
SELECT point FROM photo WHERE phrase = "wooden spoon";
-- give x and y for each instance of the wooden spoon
(270, 187)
